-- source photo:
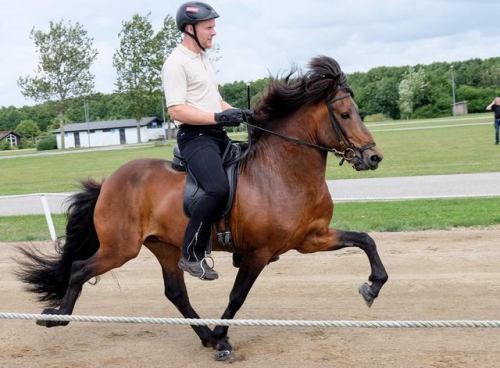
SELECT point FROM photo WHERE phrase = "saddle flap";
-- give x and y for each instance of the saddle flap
(193, 190)
(178, 162)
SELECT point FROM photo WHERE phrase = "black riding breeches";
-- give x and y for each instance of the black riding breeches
(202, 148)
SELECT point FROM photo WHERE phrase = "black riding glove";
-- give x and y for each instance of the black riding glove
(230, 117)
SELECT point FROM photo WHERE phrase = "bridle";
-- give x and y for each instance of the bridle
(348, 152)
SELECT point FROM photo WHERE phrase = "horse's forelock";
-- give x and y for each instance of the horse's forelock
(326, 68)
(325, 65)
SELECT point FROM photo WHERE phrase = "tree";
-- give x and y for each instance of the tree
(412, 91)
(138, 61)
(165, 41)
(66, 54)
(28, 129)
(405, 98)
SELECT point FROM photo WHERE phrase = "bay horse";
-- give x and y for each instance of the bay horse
(282, 203)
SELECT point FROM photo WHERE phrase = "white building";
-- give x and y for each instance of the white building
(110, 133)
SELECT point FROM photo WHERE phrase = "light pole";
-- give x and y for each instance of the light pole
(87, 119)
(453, 90)
(164, 118)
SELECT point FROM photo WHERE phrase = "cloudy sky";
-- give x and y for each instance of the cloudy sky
(262, 37)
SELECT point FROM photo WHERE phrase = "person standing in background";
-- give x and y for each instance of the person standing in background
(495, 107)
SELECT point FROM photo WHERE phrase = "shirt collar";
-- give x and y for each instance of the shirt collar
(190, 53)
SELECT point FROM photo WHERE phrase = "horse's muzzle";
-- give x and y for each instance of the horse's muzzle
(368, 160)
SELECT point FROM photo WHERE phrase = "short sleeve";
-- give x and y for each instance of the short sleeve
(174, 81)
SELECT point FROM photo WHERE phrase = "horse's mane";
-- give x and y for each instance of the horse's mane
(285, 96)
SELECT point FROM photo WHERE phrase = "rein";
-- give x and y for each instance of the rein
(348, 154)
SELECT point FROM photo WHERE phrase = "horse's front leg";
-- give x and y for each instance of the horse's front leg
(175, 288)
(333, 239)
(250, 268)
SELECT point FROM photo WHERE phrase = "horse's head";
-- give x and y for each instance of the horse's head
(339, 124)
(324, 102)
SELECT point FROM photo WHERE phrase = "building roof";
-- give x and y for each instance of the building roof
(106, 124)
(4, 134)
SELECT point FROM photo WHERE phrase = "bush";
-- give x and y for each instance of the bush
(47, 143)
(375, 117)
(430, 111)
(25, 143)
(4, 145)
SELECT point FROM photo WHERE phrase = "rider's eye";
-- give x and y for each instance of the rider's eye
(345, 115)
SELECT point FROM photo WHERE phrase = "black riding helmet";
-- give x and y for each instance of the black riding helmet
(192, 13)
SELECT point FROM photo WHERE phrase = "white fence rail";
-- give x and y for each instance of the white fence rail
(35, 204)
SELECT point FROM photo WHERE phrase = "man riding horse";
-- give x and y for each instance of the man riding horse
(194, 101)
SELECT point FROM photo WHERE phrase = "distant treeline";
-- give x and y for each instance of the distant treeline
(377, 92)
(476, 81)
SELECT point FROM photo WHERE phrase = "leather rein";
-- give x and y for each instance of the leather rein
(349, 150)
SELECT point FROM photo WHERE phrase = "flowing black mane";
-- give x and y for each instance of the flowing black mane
(287, 95)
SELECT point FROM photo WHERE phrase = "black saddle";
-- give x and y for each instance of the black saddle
(193, 191)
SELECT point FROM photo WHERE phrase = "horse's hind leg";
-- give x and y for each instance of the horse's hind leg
(105, 259)
(338, 239)
(175, 288)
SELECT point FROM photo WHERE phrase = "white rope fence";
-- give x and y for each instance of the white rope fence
(255, 322)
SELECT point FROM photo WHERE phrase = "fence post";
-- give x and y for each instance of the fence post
(48, 217)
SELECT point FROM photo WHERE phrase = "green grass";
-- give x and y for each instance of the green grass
(369, 216)
(28, 228)
(422, 151)
(61, 172)
(18, 152)
(430, 151)
(417, 214)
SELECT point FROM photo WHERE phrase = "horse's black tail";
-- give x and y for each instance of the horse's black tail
(49, 276)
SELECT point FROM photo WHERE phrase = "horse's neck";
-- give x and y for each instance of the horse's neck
(278, 158)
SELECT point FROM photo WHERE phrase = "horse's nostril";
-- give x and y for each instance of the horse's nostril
(376, 158)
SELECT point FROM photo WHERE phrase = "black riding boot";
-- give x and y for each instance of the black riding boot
(197, 247)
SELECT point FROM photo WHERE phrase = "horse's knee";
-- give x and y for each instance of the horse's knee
(359, 239)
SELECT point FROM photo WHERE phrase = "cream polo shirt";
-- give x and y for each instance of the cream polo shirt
(189, 78)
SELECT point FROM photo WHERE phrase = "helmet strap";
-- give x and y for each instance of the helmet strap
(194, 36)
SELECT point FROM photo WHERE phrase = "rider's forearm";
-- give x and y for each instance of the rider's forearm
(225, 105)
(190, 115)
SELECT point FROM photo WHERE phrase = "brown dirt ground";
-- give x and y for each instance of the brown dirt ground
(433, 275)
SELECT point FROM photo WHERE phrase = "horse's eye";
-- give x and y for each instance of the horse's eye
(345, 115)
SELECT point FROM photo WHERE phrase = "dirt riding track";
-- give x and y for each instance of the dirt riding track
(432, 275)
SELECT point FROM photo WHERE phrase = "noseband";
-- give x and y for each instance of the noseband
(349, 149)
(348, 152)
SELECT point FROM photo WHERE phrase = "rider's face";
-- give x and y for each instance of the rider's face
(206, 32)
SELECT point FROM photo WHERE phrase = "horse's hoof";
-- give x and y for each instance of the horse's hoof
(51, 323)
(366, 291)
(223, 350)
(223, 355)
